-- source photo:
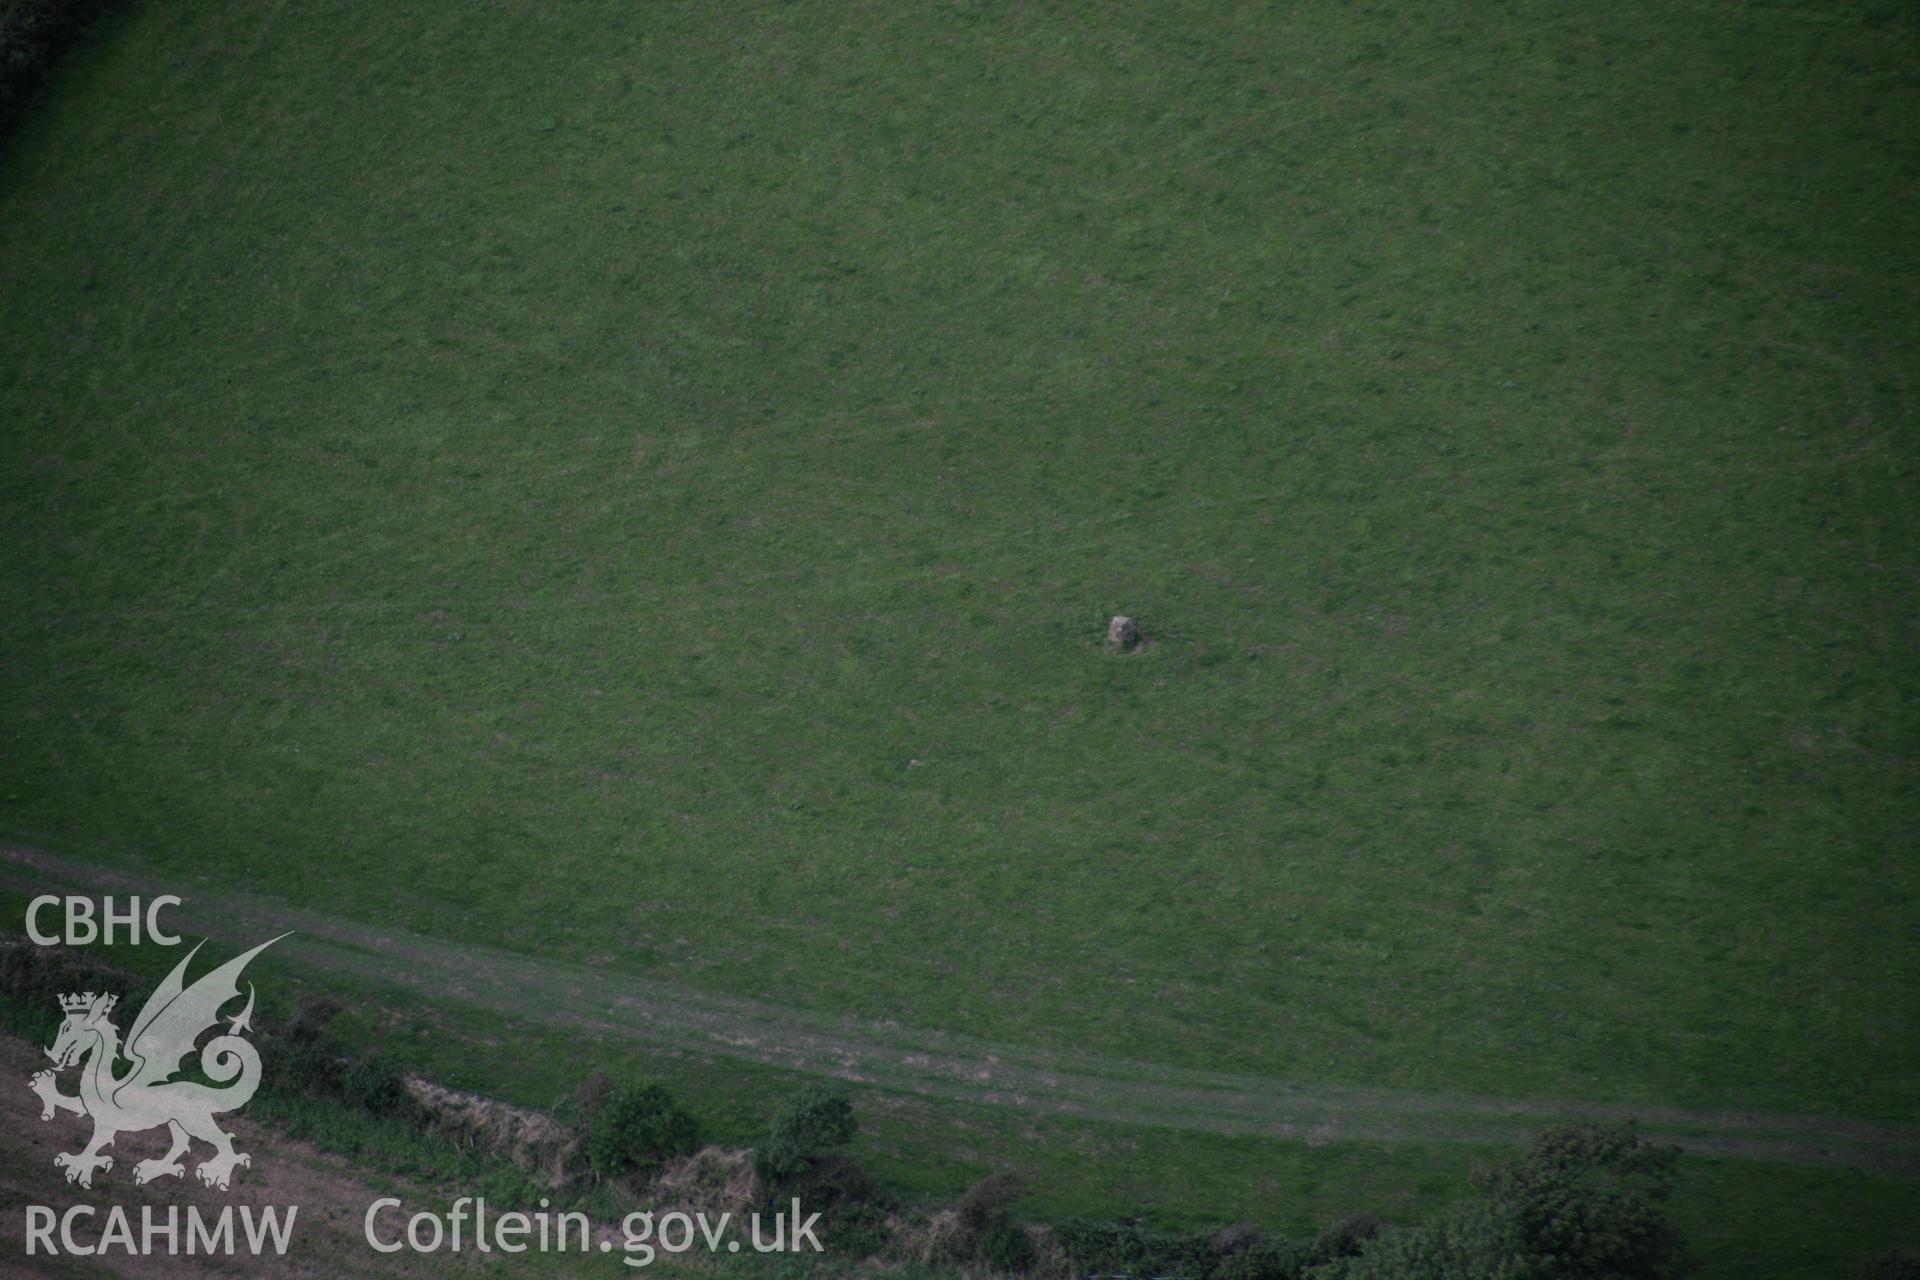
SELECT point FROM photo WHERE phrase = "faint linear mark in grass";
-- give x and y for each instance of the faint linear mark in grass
(936, 1064)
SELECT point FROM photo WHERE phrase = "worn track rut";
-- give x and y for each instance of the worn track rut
(935, 1064)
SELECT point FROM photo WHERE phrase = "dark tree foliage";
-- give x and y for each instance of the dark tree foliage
(1002, 1245)
(1468, 1242)
(1344, 1237)
(1266, 1258)
(1588, 1201)
(636, 1126)
(1584, 1202)
(1132, 1248)
(831, 1181)
(305, 1063)
(988, 1235)
(817, 1120)
(855, 1230)
(988, 1198)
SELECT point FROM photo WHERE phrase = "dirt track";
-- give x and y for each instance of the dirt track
(939, 1065)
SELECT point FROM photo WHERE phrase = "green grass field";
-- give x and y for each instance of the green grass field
(644, 485)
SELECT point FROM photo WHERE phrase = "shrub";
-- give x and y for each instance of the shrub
(1344, 1237)
(831, 1181)
(300, 1060)
(989, 1197)
(1587, 1199)
(1233, 1237)
(299, 1066)
(1132, 1248)
(310, 1017)
(817, 1119)
(308, 1065)
(985, 1232)
(1583, 1201)
(1261, 1259)
(375, 1086)
(1002, 1244)
(855, 1231)
(638, 1125)
(1473, 1241)
(41, 974)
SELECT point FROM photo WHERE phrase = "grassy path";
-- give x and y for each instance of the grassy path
(935, 1064)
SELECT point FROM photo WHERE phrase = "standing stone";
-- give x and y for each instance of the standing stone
(1123, 633)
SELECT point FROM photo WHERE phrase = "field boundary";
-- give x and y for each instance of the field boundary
(935, 1064)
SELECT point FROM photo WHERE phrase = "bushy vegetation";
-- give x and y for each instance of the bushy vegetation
(989, 1198)
(1344, 1237)
(1130, 1247)
(1003, 1245)
(299, 1058)
(1585, 1201)
(318, 1068)
(38, 976)
(833, 1180)
(857, 1231)
(987, 1233)
(636, 1126)
(814, 1122)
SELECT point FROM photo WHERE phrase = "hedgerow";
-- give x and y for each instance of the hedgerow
(1584, 1200)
